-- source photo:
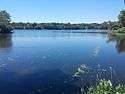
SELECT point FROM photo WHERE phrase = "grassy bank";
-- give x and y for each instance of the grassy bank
(119, 35)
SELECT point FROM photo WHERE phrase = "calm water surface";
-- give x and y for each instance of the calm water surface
(44, 62)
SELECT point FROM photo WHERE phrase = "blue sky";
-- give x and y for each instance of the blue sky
(74, 11)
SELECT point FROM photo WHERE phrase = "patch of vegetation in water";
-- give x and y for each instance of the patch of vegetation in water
(102, 86)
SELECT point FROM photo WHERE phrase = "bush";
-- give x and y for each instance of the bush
(106, 87)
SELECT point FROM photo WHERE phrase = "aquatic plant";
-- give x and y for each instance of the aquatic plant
(81, 70)
(97, 72)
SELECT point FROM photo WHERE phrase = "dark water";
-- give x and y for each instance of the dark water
(44, 62)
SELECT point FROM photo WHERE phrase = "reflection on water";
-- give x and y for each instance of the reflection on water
(41, 82)
(44, 62)
(5, 41)
(96, 51)
(120, 43)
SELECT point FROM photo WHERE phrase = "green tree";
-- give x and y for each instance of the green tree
(5, 22)
(121, 18)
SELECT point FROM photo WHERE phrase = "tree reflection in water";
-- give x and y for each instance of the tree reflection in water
(120, 42)
(5, 40)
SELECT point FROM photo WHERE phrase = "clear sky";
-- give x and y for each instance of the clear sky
(74, 11)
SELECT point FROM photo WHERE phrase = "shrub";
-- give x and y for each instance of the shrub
(106, 87)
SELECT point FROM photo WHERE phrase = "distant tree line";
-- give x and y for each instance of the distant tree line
(65, 26)
(6, 25)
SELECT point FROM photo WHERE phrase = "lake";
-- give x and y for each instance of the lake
(45, 61)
